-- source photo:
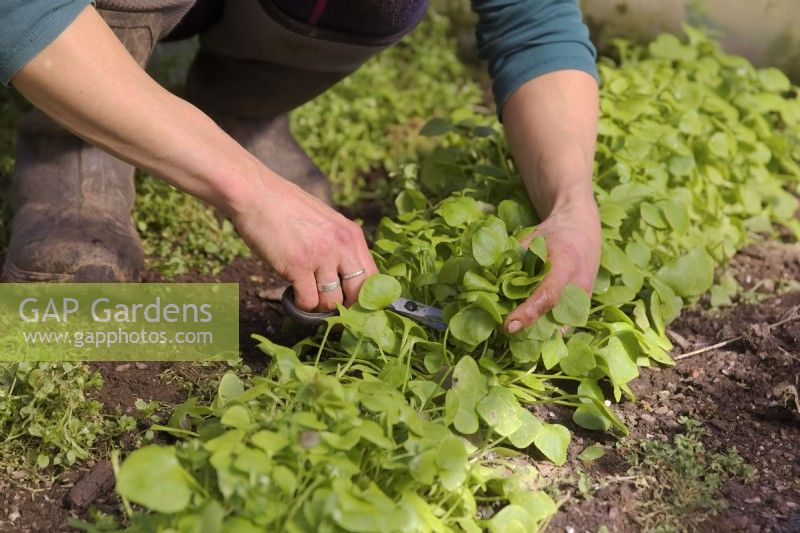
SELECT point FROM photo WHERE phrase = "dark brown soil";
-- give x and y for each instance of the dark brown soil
(743, 395)
(738, 392)
(40, 507)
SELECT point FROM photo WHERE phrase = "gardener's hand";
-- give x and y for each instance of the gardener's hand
(307, 243)
(131, 116)
(572, 235)
(551, 123)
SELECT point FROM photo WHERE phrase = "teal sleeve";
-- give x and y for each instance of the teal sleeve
(28, 26)
(523, 39)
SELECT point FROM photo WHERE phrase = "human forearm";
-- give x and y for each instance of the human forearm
(87, 81)
(551, 123)
(107, 99)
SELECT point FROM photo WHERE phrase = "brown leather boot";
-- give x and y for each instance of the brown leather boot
(72, 202)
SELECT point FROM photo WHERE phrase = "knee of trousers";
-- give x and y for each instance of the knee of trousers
(140, 24)
(259, 30)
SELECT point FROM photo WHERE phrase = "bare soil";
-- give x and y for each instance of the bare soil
(741, 393)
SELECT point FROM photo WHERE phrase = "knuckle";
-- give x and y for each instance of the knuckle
(548, 298)
(342, 235)
(529, 313)
(356, 230)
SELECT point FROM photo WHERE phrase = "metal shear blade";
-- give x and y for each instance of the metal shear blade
(426, 315)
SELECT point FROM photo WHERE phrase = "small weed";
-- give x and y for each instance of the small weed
(47, 418)
(681, 478)
(180, 233)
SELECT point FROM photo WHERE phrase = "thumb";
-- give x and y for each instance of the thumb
(543, 299)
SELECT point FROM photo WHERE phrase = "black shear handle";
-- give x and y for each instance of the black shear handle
(305, 318)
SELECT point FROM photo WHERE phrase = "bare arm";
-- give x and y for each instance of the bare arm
(551, 123)
(87, 81)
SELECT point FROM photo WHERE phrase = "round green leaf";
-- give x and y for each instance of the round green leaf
(588, 416)
(515, 215)
(501, 411)
(592, 453)
(153, 477)
(435, 126)
(553, 440)
(512, 519)
(379, 291)
(459, 211)
(573, 307)
(689, 275)
(529, 427)
(472, 325)
(489, 241)
(236, 416)
(538, 504)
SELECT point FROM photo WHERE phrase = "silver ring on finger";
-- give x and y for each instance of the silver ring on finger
(354, 274)
(328, 287)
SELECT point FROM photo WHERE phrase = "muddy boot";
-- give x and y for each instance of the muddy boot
(264, 58)
(72, 202)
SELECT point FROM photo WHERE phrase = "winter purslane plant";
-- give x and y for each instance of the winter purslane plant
(377, 424)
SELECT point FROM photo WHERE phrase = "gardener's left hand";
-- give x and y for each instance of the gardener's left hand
(572, 234)
(551, 123)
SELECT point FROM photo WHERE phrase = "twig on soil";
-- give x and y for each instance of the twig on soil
(679, 339)
(792, 316)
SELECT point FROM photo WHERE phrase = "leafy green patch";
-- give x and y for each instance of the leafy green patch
(180, 233)
(377, 423)
(681, 478)
(47, 418)
(371, 119)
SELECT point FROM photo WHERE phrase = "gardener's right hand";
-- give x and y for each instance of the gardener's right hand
(306, 242)
(134, 118)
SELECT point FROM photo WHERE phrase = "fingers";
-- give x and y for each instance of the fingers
(346, 254)
(361, 259)
(543, 299)
(306, 295)
(329, 289)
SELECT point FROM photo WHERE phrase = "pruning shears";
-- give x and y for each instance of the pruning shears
(426, 315)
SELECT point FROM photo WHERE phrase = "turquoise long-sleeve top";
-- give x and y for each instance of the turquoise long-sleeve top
(520, 39)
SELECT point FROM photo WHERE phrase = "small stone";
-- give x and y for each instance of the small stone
(141, 366)
(256, 279)
(122, 368)
(670, 423)
(648, 418)
(273, 294)
(661, 411)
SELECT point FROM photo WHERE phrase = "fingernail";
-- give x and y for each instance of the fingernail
(513, 326)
